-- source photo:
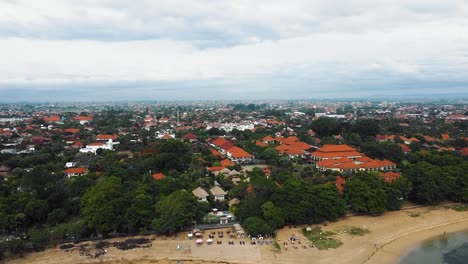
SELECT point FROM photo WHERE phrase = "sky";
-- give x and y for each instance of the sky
(102, 50)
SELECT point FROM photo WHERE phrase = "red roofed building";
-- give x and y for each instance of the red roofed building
(214, 152)
(83, 119)
(52, 119)
(237, 154)
(72, 172)
(159, 176)
(71, 130)
(329, 151)
(219, 141)
(268, 139)
(190, 137)
(77, 144)
(464, 151)
(226, 163)
(404, 148)
(260, 143)
(360, 164)
(167, 136)
(390, 176)
(445, 137)
(106, 137)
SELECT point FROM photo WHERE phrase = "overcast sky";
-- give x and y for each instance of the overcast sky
(75, 50)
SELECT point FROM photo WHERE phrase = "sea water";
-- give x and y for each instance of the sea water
(450, 249)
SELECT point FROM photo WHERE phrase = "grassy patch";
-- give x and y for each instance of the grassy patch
(322, 239)
(276, 247)
(356, 231)
(460, 208)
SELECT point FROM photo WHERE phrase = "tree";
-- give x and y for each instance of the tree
(140, 212)
(103, 205)
(256, 226)
(365, 193)
(325, 126)
(366, 127)
(175, 212)
(397, 191)
(326, 203)
(273, 215)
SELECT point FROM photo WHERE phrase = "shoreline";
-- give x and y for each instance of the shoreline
(391, 237)
(387, 253)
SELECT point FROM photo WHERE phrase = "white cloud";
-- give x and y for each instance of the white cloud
(53, 41)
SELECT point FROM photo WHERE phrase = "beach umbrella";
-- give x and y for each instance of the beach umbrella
(199, 241)
(209, 240)
(197, 234)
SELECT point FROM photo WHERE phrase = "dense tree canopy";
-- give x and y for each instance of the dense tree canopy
(102, 206)
(175, 211)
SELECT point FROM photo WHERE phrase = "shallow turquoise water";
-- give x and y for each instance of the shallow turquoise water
(450, 249)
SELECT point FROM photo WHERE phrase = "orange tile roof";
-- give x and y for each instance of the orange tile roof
(106, 136)
(321, 154)
(226, 162)
(96, 144)
(282, 148)
(294, 151)
(219, 141)
(445, 136)
(237, 152)
(52, 119)
(76, 171)
(215, 152)
(345, 163)
(216, 168)
(260, 143)
(404, 148)
(290, 140)
(159, 176)
(83, 118)
(77, 144)
(300, 145)
(336, 148)
(166, 136)
(268, 138)
(390, 176)
(72, 130)
(464, 151)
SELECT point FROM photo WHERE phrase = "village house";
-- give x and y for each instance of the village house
(201, 194)
(158, 176)
(73, 172)
(83, 119)
(106, 137)
(218, 193)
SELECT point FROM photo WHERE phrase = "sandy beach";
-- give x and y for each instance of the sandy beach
(391, 236)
